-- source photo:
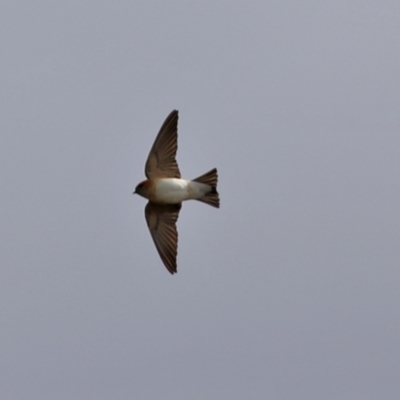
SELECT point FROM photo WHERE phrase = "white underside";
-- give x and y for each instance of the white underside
(174, 190)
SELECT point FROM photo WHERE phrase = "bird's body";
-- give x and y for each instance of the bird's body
(166, 191)
(173, 190)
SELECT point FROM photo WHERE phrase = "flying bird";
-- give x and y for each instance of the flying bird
(166, 190)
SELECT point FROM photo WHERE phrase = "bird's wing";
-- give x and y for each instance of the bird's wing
(161, 162)
(161, 220)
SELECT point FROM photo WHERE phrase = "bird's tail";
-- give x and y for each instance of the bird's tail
(210, 178)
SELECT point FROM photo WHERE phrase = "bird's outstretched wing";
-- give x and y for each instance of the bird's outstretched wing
(161, 220)
(161, 162)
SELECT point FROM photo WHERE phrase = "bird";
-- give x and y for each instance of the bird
(165, 191)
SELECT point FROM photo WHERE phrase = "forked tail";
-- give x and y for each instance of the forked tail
(210, 178)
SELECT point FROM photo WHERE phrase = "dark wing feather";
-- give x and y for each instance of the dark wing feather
(161, 162)
(161, 220)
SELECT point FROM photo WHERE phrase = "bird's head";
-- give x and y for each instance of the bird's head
(142, 189)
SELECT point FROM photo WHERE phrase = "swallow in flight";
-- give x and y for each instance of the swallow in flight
(165, 191)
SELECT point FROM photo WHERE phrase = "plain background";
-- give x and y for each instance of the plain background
(290, 290)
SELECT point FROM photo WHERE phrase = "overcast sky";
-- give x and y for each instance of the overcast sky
(291, 290)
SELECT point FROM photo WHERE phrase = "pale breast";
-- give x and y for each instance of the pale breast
(170, 191)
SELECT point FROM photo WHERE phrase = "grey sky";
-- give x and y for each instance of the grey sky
(290, 290)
